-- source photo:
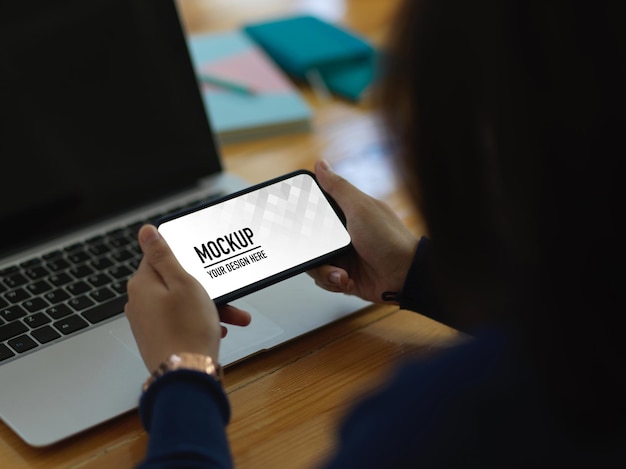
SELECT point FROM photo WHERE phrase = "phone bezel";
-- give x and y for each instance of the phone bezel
(278, 277)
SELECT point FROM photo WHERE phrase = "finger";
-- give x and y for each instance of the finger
(144, 269)
(233, 315)
(144, 275)
(330, 277)
(344, 193)
(157, 255)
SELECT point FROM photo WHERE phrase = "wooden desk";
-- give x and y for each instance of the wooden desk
(286, 403)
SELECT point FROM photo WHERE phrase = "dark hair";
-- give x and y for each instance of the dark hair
(509, 117)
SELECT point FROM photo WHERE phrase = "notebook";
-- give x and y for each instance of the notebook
(319, 51)
(103, 128)
(268, 103)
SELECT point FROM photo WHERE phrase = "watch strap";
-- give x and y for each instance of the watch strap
(186, 361)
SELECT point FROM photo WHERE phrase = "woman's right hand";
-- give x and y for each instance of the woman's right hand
(383, 246)
(169, 311)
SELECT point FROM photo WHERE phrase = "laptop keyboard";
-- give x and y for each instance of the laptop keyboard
(49, 297)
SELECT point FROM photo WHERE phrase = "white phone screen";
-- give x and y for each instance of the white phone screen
(257, 237)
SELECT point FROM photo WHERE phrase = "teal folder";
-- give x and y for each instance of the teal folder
(302, 44)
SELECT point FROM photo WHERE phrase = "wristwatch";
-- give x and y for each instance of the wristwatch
(186, 361)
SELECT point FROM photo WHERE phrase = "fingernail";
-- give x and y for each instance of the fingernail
(334, 278)
(149, 233)
(325, 165)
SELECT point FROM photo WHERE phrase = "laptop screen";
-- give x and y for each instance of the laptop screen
(100, 111)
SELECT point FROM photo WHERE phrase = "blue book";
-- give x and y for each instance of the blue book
(245, 93)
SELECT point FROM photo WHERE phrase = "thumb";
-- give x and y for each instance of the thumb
(344, 193)
(158, 254)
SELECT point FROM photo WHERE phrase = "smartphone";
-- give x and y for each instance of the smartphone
(258, 236)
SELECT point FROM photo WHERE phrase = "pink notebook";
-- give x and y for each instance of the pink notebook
(275, 106)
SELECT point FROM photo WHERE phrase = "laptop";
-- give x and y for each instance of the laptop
(103, 129)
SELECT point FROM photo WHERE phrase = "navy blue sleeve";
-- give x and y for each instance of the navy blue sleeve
(186, 413)
(419, 292)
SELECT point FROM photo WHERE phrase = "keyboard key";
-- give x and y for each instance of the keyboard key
(106, 310)
(15, 280)
(102, 294)
(52, 254)
(78, 288)
(37, 288)
(7, 271)
(119, 241)
(57, 264)
(31, 262)
(45, 334)
(101, 263)
(11, 313)
(70, 324)
(17, 295)
(81, 271)
(35, 304)
(5, 352)
(97, 280)
(11, 330)
(120, 271)
(99, 249)
(80, 303)
(35, 320)
(36, 272)
(60, 279)
(122, 255)
(119, 287)
(59, 311)
(56, 296)
(78, 257)
(22, 343)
